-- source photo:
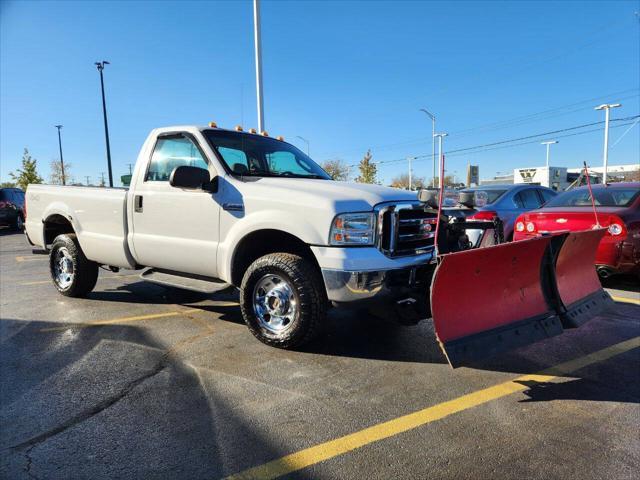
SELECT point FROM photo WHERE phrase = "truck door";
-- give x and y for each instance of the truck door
(173, 228)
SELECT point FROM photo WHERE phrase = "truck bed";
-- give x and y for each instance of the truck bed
(97, 214)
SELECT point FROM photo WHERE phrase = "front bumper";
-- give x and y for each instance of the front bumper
(370, 286)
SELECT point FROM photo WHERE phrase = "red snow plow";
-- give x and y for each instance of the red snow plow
(490, 300)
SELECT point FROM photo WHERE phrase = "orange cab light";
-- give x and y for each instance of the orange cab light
(252, 130)
(213, 124)
(280, 137)
(238, 128)
(264, 133)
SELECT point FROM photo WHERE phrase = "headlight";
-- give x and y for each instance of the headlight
(353, 229)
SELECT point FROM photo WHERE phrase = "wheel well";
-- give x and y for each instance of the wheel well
(263, 242)
(56, 225)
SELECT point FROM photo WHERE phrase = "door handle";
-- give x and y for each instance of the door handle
(137, 203)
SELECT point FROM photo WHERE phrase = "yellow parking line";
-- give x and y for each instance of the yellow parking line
(333, 448)
(31, 258)
(626, 300)
(136, 318)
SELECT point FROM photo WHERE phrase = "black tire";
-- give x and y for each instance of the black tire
(18, 224)
(308, 291)
(85, 272)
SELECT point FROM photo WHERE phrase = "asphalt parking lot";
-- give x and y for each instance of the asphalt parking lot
(140, 381)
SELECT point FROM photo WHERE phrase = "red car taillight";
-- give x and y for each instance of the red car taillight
(483, 215)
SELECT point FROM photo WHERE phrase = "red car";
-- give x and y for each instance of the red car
(617, 208)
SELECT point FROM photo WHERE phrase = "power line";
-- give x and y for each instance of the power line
(487, 146)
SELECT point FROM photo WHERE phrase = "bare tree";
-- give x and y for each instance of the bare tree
(402, 181)
(337, 169)
(56, 177)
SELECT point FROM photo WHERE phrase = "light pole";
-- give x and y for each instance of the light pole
(258, 48)
(433, 142)
(605, 156)
(548, 144)
(440, 136)
(64, 181)
(100, 66)
(411, 159)
(305, 141)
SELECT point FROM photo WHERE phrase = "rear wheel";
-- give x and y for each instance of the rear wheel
(18, 224)
(72, 273)
(282, 300)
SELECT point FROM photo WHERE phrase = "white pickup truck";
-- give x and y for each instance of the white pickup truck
(209, 207)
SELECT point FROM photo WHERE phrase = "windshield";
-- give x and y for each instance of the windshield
(605, 197)
(491, 195)
(256, 156)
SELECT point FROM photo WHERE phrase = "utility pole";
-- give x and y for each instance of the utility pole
(130, 165)
(100, 66)
(102, 182)
(605, 156)
(258, 52)
(433, 143)
(64, 180)
(548, 144)
(87, 177)
(440, 136)
(305, 141)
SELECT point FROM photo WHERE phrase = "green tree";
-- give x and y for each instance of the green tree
(28, 173)
(337, 169)
(368, 169)
(7, 185)
(448, 181)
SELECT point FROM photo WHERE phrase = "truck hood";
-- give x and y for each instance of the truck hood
(339, 196)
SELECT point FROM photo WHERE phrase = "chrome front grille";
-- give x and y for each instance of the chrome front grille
(405, 229)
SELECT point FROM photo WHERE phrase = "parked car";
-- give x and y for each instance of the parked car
(507, 202)
(12, 208)
(617, 206)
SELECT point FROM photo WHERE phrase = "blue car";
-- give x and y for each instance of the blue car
(509, 201)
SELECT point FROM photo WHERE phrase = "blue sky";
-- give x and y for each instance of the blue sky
(346, 75)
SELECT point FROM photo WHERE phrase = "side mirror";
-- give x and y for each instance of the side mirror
(193, 178)
(428, 196)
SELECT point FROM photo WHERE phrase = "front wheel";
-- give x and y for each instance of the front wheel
(282, 300)
(73, 274)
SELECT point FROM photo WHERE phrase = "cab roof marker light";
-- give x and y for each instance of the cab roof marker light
(239, 128)
(213, 124)
(252, 130)
(280, 137)
(264, 133)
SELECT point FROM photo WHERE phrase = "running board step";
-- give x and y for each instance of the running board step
(195, 283)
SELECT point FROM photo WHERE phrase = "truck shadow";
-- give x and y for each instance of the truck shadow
(113, 401)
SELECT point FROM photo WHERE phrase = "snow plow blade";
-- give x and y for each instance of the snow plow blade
(579, 290)
(489, 300)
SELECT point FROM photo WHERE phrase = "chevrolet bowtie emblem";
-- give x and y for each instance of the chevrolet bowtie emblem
(561, 220)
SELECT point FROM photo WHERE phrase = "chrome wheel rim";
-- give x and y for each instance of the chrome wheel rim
(63, 271)
(275, 303)
(20, 223)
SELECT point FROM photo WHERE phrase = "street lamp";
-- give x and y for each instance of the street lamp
(258, 52)
(100, 66)
(305, 141)
(64, 182)
(440, 136)
(605, 156)
(433, 142)
(411, 159)
(548, 144)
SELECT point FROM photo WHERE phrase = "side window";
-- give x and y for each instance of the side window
(170, 153)
(546, 195)
(529, 199)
